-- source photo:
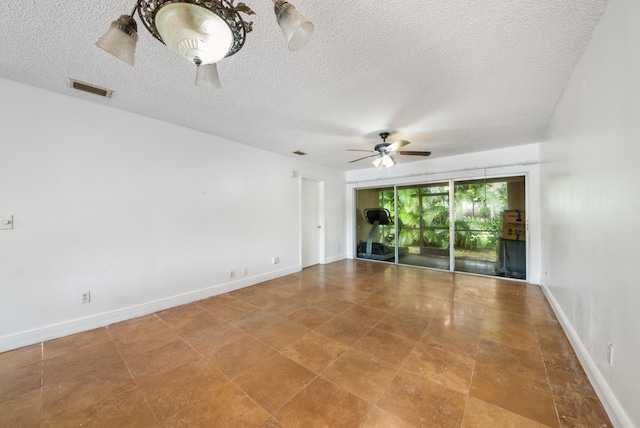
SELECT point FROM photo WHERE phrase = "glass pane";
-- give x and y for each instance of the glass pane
(375, 229)
(481, 245)
(423, 225)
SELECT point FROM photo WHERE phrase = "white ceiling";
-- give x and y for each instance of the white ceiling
(450, 76)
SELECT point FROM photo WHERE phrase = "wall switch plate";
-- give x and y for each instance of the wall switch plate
(6, 222)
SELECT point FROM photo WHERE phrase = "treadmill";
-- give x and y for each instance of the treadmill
(377, 250)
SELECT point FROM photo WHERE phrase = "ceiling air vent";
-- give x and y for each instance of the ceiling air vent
(85, 87)
(299, 153)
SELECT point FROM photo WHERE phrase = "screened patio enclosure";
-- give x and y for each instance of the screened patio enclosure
(473, 226)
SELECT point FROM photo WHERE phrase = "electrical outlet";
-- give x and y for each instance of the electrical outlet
(86, 297)
(610, 354)
(245, 271)
(275, 260)
(232, 274)
(6, 222)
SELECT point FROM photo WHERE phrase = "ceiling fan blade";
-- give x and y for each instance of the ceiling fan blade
(412, 153)
(395, 146)
(363, 158)
(358, 150)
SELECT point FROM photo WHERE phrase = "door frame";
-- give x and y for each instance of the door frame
(320, 183)
(529, 170)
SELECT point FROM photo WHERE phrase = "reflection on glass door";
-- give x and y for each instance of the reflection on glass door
(423, 225)
(486, 241)
(375, 228)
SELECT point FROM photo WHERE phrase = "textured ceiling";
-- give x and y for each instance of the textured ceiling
(452, 77)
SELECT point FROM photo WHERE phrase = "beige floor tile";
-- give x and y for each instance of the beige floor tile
(274, 381)
(361, 374)
(22, 411)
(72, 395)
(380, 419)
(314, 351)
(514, 389)
(385, 346)
(254, 320)
(443, 367)
(484, 415)
(422, 403)
(323, 404)
(580, 410)
(364, 315)
(347, 344)
(20, 357)
(162, 359)
(124, 407)
(281, 333)
(17, 381)
(310, 318)
(343, 330)
(411, 327)
(239, 356)
(72, 364)
(76, 343)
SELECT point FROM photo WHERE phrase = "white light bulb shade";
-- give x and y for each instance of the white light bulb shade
(194, 32)
(384, 161)
(207, 75)
(388, 161)
(120, 39)
(296, 28)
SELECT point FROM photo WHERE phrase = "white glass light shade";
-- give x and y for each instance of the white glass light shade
(388, 161)
(385, 161)
(193, 32)
(207, 75)
(296, 28)
(120, 39)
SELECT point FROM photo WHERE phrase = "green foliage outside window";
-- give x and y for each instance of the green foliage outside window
(423, 217)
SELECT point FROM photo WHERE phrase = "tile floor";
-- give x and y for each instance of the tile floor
(349, 344)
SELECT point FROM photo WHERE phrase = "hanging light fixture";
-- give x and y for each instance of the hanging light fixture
(201, 31)
(383, 161)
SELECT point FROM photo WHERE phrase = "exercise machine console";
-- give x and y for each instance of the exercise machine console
(377, 250)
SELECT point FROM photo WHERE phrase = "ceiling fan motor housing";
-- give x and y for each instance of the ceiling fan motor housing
(382, 147)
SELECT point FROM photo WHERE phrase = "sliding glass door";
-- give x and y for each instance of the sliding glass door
(423, 225)
(477, 211)
(473, 226)
(375, 224)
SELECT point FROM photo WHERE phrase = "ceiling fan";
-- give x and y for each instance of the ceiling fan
(383, 151)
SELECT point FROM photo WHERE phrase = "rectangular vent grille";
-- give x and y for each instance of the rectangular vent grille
(299, 153)
(85, 87)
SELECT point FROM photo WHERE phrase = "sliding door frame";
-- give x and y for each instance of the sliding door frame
(351, 219)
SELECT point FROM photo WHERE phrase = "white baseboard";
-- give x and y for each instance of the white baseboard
(54, 331)
(333, 259)
(614, 409)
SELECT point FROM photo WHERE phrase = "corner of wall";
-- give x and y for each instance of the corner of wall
(614, 409)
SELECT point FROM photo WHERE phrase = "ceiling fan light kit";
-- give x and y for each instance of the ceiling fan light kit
(201, 31)
(384, 150)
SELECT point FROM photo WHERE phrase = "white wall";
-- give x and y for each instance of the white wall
(591, 209)
(142, 213)
(518, 160)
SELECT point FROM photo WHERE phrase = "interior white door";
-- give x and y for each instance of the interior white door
(310, 222)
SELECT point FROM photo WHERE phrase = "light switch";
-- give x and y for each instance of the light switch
(6, 222)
